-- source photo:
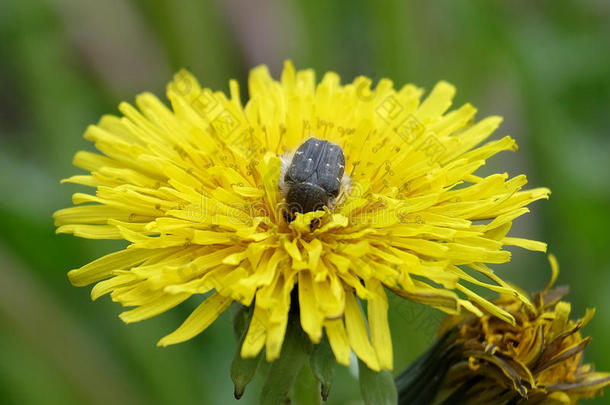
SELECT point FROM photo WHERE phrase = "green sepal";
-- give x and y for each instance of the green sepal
(306, 388)
(284, 371)
(242, 369)
(322, 362)
(241, 318)
(377, 388)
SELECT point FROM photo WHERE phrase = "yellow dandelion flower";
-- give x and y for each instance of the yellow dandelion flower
(199, 191)
(538, 360)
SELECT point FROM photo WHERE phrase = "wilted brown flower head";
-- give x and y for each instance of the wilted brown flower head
(539, 360)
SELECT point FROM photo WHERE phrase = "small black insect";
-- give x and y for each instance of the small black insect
(313, 178)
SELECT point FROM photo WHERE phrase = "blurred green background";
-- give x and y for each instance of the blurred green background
(544, 66)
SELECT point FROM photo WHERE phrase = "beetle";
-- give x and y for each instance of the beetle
(313, 178)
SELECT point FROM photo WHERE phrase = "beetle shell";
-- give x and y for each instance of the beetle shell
(313, 179)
